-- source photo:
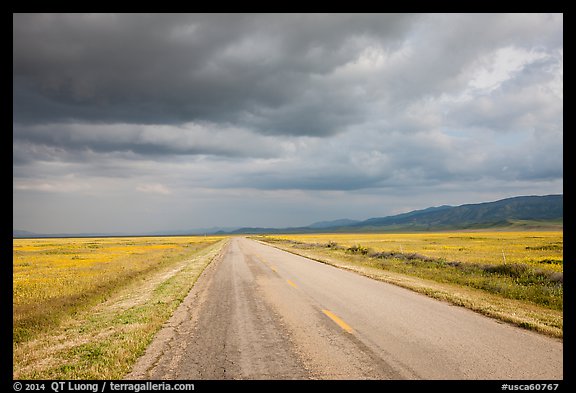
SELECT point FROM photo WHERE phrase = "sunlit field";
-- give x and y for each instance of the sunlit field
(56, 277)
(543, 250)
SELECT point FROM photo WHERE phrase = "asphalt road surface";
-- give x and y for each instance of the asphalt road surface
(261, 313)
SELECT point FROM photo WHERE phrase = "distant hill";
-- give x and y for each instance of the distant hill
(19, 233)
(509, 212)
(333, 223)
(488, 214)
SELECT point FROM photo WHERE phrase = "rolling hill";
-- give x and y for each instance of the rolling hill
(488, 214)
(503, 213)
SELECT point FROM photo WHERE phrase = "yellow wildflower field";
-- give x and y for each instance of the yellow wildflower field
(54, 277)
(539, 249)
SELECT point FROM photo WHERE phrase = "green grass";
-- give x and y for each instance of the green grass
(513, 281)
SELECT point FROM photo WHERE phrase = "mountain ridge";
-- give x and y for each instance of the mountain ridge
(547, 207)
(496, 214)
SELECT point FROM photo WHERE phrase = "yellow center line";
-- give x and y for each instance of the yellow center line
(291, 283)
(267, 264)
(338, 321)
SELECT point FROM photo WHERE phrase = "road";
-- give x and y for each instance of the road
(262, 313)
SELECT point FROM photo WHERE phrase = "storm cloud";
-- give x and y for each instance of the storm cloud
(317, 116)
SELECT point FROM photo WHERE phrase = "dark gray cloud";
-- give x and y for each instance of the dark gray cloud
(141, 140)
(247, 69)
(243, 119)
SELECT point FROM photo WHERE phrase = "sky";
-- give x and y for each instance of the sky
(152, 122)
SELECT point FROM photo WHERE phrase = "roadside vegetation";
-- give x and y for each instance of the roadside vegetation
(87, 308)
(513, 276)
